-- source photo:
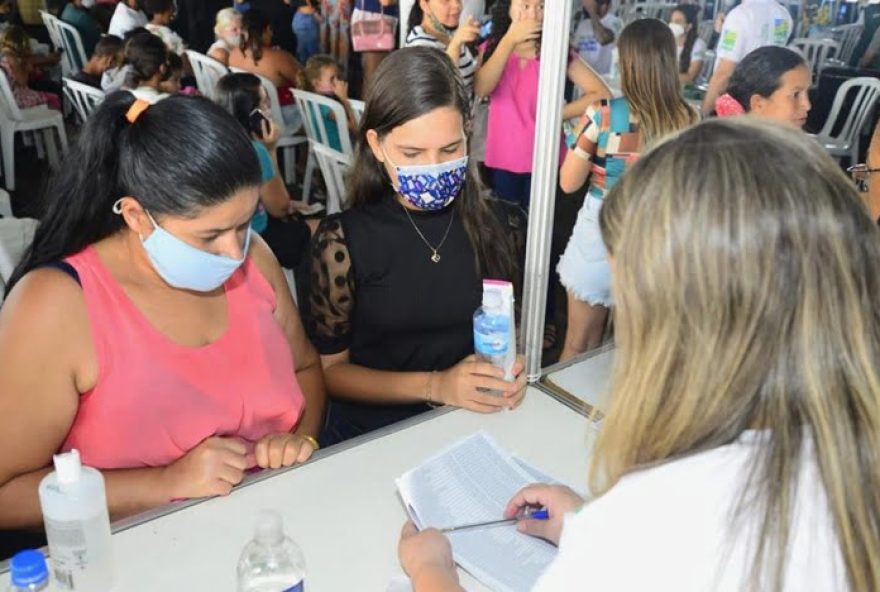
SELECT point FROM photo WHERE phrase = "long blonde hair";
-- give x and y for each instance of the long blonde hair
(748, 297)
(649, 79)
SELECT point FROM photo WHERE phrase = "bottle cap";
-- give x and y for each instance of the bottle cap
(68, 466)
(28, 568)
(269, 527)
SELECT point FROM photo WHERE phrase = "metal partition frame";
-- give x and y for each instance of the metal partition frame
(545, 170)
(565, 397)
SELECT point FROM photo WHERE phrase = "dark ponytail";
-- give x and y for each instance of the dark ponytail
(180, 155)
(238, 94)
(146, 54)
(416, 16)
(760, 73)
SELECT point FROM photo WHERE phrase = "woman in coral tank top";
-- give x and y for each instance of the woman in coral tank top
(148, 327)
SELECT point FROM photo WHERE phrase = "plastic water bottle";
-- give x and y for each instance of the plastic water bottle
(271, 562)
(494, 334)
(28, 572)
(74, 506)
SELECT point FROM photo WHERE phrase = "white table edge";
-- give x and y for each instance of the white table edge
(542, 385)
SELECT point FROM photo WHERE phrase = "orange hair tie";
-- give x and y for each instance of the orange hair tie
(138, 107)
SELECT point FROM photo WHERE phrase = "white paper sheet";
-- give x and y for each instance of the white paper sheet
(472, 481)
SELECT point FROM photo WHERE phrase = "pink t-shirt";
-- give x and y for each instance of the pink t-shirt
(155, 400)
(513, 107)
(513, 110)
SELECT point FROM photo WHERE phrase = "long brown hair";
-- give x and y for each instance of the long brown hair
(408, 84)
(748, 299)
(253, 24)
(649, 79)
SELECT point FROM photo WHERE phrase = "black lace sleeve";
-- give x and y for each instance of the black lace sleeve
(331, 294)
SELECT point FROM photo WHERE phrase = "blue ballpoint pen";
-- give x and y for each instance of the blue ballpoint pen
(536, 515)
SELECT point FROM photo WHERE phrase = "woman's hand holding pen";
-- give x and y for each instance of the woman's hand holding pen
(558, 500)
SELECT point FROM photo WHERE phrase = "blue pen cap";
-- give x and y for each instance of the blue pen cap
(28, 568)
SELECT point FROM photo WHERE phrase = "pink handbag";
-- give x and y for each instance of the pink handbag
(371, 31)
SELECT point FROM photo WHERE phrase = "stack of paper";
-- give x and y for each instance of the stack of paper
(470, 482)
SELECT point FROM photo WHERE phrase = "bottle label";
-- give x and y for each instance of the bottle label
(490, 343)
(74, 548)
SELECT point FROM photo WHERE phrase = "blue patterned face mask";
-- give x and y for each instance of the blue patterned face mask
(431, 186)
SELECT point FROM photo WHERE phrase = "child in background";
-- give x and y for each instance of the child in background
(114, 78)
(163, 14)
(148, 58)
(306, 25)
(105, 57)
(173, 72)
(16, 61)
(321, 76)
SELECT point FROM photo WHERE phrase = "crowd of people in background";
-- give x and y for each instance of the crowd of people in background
(157, 275)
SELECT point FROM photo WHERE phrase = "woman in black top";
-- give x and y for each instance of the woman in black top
(397, 277)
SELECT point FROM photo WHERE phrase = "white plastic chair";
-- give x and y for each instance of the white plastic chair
(290, 140)
(317, 129)
(816, 52)
(14, 120)
(207, 71)
(358, 108)
(334, 166)
(84, 98)
(16, 235)
(72, 47)
(310, 105)
(845, 143)
(50, 22)
(848, 38)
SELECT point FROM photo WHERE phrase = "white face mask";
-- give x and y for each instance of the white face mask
(677, 30)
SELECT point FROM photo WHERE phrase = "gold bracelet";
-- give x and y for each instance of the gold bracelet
(313, 442)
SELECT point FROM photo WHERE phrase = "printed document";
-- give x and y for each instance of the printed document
(472, 481)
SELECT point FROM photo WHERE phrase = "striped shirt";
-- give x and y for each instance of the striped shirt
(467, 66)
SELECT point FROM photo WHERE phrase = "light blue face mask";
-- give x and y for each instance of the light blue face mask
(183, 266)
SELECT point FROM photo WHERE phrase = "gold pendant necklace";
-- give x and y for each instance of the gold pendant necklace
(435, 254)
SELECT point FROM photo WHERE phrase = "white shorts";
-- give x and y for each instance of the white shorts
(583, 268)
